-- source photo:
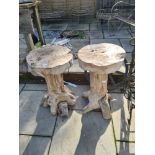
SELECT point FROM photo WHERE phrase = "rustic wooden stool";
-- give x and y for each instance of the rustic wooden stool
(100, 60)
(50, 62)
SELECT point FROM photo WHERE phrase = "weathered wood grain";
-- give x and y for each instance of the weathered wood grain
(100, 60)
(50, 62)
(105, 57)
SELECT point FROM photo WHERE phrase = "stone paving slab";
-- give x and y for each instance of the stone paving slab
(30, 145)
(49, 35)
(21, 86)
(87, 134)
(125, 44)
(22, 43)
(96, 34)
(23, 68)
(84, 27)
(124, 148)
(98, 41)
(75, 68)
(80, 102)
(114, 25)
(132, 126)
(48, 41)
(61, 27)
(21, 35)
(33, 118)
(23, 143)
(95, 27)
(22, 55)
(116, 90)
(42, 87)
(120, 117)
(79, 43)
(128, 57)
(118, 34)
(76, 90)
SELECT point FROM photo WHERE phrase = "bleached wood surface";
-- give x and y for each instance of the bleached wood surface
(50, 62)
(100, 60)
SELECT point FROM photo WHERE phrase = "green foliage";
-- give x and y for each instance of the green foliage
(38, 44)
(81, 35)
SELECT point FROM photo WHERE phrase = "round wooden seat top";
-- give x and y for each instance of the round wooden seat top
(104, 57)
(50, 57)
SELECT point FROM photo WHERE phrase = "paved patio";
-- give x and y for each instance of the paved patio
(40, 133)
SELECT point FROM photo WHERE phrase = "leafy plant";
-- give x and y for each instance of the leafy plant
(80, 35)
(38, 44)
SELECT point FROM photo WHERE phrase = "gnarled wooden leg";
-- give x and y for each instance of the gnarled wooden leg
(93, 101)
(57, 93)
(44, 101)
(97, 95)
(105, 107)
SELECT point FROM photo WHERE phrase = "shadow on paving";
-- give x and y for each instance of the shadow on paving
(87, 134)
(125, 147)
(36, 124)
(37, 146)
(89, 140)
(83, 134)
(124, 133)
(36, 121)
(41, 138)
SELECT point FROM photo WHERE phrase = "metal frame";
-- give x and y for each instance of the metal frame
(115, 14)
(129, 83)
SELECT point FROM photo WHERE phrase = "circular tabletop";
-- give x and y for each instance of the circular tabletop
(53, 57)
(103, 57)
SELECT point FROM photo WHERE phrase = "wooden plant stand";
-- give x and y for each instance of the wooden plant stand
(50, 62)
(100, 60)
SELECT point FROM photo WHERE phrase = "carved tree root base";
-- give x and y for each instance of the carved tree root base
(50, 62)
(97, 102)
(59, 102)
(58, 93)
(63, 109)
(100, 60)
(105, 107)
(97, 95)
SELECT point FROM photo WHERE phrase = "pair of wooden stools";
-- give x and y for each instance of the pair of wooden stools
(51, 61)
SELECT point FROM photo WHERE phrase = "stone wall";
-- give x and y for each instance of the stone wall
(68, 5)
